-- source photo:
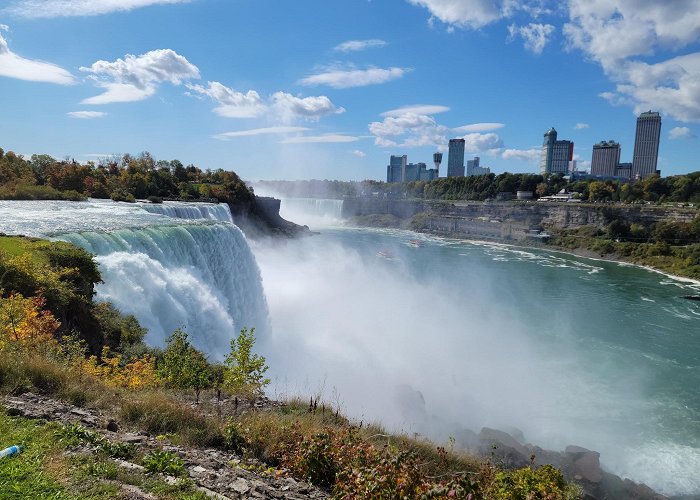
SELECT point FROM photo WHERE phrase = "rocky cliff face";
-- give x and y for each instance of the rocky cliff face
(261, 218)
(509, 221)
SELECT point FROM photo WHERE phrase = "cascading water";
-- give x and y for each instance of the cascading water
(182, 211)
(194, 271)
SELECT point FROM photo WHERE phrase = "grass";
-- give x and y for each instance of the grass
(44, 470)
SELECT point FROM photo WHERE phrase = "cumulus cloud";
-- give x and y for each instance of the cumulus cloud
(581, 126)
(614, 30)
(288, 106)
(69, 8)
(359, 154)
(357, 45)
(535, 36)
(477, 143)
(281, 105)
(529, 155)
(260, 131)
(339, 78)
(479, 127)
(14, 66)
(408, 130)
(319, 139)
(135, 78)
(86, 115)
(232, 104)
(463, 13)
(616, 33)
(680, 133)
(418, 109)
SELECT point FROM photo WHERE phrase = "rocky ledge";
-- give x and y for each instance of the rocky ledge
(215, 473)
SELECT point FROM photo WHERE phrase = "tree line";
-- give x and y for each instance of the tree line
(679, 188)
(123, 178)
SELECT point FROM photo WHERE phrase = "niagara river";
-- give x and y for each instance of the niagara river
(425, 335)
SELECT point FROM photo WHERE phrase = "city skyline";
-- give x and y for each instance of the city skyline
(274, 90)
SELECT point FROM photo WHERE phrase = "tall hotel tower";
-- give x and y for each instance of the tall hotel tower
(455, 158)
(646, 144)
(556, 155)
(606, 158)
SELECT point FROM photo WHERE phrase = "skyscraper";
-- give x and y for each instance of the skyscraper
(646, 144)
(396, 170)
(473, 167)
(455, 158)
(606, 157)
(556, 155)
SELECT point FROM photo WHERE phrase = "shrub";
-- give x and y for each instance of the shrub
(166, 462)
(245, 371)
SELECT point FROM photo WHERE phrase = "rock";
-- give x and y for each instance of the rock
(240, 486)
(198, 469)
(132, 438)
(503, 447)
(586, 463)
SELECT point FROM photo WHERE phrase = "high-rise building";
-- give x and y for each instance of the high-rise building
(606, 157)
(455, 158)
(646, 144)
(473, 167)
(396, 170)
(437, 160)
(556, 155)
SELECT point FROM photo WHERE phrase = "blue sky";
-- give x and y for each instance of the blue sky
(329, 89)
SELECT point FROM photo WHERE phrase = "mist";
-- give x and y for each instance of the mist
(440, 348)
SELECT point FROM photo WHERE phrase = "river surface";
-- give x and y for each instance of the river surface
(422, 334)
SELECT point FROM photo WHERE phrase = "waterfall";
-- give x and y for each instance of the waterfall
(203, 278)
(167, 271)
(313, 212)
(190, 211)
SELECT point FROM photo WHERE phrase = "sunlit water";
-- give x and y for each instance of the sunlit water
(432, 337)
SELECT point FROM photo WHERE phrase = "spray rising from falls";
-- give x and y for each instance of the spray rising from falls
(312, 212)
(173, 265)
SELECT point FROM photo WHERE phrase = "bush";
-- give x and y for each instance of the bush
(122, 195)
(166, 462)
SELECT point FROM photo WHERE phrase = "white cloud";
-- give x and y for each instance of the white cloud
(68, 8)
(418, 109)
(671, 86)
(616, 33)
(280, 106)
(14, 66)
(412, 129)
(479, 127)
(535, 36)
(476, 142)
(680, 133)
(135, 78)
(86, 115)
(339, 78)
(359, 154)
(529, 155)
(581, 126)
(614, 30)
(232, 104)
(316, 139)
(357, 45)
(464, 13)
(260, 131)
(288, 106)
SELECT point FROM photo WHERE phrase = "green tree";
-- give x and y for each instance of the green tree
(245, 371)
(183, 366)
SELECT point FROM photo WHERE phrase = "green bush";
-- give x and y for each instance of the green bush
(165, 462)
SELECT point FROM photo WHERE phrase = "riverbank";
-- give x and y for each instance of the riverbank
(660, 238)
